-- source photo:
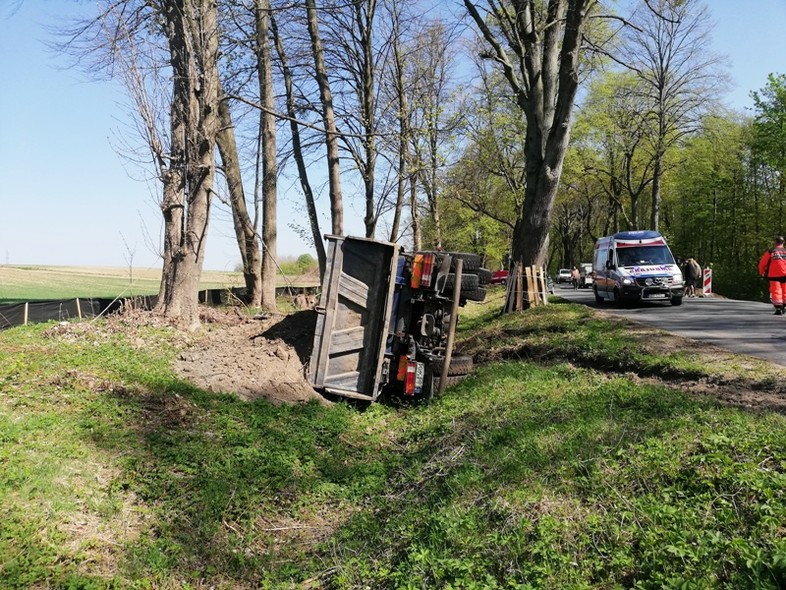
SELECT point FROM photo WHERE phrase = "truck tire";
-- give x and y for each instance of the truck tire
(468, 281)
(471, 261)
(460, 364)
(449, 381)
(478, 294)
(484, 276)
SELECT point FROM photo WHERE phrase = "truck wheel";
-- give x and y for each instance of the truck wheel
(468, 282)
(449, 381)
(478, 294)
(460, 364)
(471, 261)
(598, 299)
(484, 276)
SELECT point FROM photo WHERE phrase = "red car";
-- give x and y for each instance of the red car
(499, 277)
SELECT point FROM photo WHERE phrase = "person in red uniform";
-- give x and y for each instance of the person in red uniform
(773, 266)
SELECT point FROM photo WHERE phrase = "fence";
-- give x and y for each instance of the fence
(527, 286)
(33, 312)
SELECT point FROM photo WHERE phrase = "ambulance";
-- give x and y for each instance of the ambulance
(634, 266)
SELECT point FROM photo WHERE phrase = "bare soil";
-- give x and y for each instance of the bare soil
(252, 358)
(737, 380)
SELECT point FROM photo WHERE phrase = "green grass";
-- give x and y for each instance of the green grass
(32, 283)
(554, 466)
(35, 283)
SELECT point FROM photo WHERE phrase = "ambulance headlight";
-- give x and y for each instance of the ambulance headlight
(677, 280)
(648, 282)
(627, 282)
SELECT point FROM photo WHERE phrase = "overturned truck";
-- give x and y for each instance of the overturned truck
(385, 319)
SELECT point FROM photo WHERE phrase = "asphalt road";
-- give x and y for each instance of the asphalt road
(745, 327)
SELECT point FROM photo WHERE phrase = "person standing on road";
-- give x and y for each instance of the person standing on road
(574, 277)
(773, 266)
(692, 272)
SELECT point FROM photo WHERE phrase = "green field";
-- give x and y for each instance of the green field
(34, 283)
(579, 455)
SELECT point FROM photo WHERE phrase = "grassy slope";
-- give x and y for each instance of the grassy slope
(540, 471)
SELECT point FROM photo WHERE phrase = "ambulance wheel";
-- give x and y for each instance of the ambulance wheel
(618, 302)
(676, 300)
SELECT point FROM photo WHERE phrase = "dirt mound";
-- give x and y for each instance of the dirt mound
(252, 358)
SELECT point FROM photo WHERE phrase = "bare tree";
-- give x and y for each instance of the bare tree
(297, 149)
(244, 224)
(269, 155)
(192, 35)
(134, 39)
(328, 118)
(666, 46)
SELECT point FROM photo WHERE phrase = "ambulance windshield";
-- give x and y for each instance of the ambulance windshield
(644, 255)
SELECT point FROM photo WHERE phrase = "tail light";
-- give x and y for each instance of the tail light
(417, 271)
(415, 374)
(422, 269)
(428, 269)
(402, 368)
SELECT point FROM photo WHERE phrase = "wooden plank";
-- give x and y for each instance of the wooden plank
(328, 303)
(343, 341)
(353, 289)
(535, 290)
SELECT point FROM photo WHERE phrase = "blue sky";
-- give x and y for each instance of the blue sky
(69, 199)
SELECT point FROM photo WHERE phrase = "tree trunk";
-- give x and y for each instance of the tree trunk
(297, 152)
(657, 175)
(269, 162)
(245, 227)
(364, 16)
(417, 236)
(329, 120)
(544, 81)
(193, 44)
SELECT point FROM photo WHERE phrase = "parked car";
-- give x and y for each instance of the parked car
(563, 276)
(499, 277)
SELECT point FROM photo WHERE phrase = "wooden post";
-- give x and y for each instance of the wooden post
(78, 309)
(26, 310)
(528, 278)
(443, 378)
(536, 286)
(543, 284)
(519, 289)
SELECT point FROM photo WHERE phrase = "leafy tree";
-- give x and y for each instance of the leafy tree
(537, 46)
(665, 46)
(770, 134)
